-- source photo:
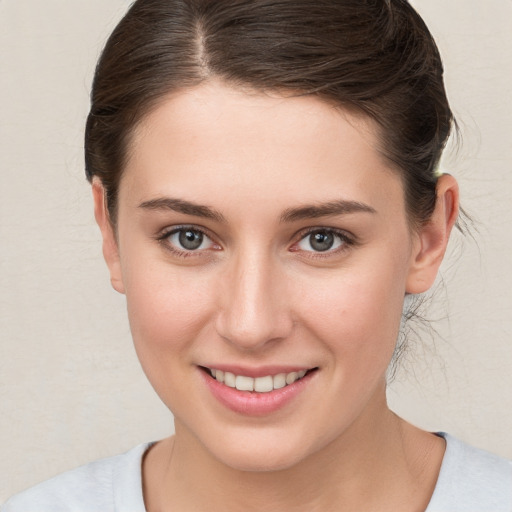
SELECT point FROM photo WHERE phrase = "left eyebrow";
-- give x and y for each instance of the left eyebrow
(313, 211)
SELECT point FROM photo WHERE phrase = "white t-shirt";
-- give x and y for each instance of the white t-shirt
(470, 480)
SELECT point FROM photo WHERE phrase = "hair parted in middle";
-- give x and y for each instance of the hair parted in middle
(375, 57)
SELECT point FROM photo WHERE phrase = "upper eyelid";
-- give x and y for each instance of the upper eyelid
(348, 241)
(163, 235)
(182, 227)
(337, 231)
(297, 237)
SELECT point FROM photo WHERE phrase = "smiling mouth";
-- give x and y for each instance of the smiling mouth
(264, 384)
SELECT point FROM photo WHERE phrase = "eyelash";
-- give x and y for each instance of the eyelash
(183, 253)
(346, 241)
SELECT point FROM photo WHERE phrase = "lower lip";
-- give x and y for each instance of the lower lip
(252, 403)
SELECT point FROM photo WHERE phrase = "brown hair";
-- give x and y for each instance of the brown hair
(375, 56)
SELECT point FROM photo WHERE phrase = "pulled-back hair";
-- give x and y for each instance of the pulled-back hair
(374, 56)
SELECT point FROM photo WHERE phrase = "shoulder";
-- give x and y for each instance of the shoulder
(113, 484)
(472, 480)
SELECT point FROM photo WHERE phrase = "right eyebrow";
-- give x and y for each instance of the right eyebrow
(182, 206)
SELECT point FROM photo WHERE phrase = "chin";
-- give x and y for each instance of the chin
(259, 453)
(259, 461)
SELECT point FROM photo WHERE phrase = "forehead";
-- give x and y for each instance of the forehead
(214, 139)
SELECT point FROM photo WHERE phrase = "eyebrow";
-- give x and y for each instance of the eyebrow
(182, 206)
(313, 211)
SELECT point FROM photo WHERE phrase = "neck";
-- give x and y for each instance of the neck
(393, 465)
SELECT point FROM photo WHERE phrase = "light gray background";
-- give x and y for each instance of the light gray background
(71, 389)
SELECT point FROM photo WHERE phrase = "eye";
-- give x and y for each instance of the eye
(323, 240)
(188, 239)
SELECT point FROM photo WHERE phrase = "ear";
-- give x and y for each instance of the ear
(110, 246)
(432, 238)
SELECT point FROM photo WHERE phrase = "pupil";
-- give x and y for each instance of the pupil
(322, 241)
(191, 239)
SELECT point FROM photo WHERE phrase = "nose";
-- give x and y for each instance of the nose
(254, 308)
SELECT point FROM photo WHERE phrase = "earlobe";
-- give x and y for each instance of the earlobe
(432, 238)
(110, 246)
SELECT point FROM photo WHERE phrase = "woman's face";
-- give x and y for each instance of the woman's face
(262, 237)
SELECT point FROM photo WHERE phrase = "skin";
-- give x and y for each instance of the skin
(256, 293)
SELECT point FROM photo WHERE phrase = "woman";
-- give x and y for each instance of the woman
(265, 180)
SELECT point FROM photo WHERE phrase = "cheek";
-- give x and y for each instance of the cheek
(168, 313)
(357, 312)
(167, 306)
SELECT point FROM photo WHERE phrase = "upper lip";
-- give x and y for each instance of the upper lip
(260, 371)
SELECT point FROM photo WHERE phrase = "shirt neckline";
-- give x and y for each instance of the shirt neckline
(128, 490)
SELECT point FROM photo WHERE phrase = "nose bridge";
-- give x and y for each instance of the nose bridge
(253, 311)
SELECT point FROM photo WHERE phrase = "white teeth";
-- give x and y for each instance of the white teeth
(291, 377)
(280, 381)
(244, 383)
(258, 384)
(263, 384)
(229, 379)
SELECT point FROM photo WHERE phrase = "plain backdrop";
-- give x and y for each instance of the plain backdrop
(71, 389)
